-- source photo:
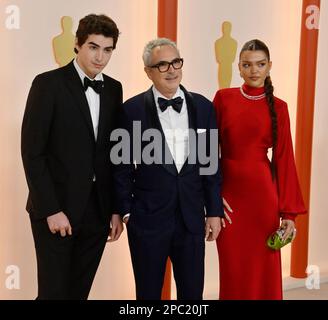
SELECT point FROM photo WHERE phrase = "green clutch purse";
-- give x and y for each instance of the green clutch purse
(275, 241)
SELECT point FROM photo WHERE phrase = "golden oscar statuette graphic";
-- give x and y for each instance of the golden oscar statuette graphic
(225, 53)
(63, 44)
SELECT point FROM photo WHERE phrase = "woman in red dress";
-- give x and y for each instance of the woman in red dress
(263, 194)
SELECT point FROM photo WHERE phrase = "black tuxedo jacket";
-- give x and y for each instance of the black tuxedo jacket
(59, 151)
(152, 193)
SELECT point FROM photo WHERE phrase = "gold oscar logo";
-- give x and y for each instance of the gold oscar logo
(225, 53)
(63, 44)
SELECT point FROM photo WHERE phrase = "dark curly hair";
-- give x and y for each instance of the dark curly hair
(96, 24)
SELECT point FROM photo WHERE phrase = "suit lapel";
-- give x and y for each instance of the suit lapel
(154, 122)
(74, 84)
(192, 121)
(104, 111)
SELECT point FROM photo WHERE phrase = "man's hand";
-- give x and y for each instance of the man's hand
(212, 228)
(59, 222)
(116, 228)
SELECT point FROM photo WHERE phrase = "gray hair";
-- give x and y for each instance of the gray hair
(153, 44)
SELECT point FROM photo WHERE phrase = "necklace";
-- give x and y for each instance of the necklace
(261, 96)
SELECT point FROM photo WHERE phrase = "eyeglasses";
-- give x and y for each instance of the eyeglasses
(164, 66)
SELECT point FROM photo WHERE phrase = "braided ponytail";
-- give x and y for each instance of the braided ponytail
(268, 88)
(254, 45)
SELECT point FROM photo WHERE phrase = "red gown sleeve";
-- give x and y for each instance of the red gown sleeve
(290, 197)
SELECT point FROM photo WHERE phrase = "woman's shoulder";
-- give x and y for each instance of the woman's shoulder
(280, 104)
(281, 108)
(227, 92)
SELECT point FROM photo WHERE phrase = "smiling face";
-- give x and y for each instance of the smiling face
(94, 54)
(166, 83)
(254, 67)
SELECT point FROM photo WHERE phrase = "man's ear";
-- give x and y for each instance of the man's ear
(148, 72)
(76, 46)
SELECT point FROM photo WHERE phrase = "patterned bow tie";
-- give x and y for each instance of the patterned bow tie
(96, 85)
(176, 104)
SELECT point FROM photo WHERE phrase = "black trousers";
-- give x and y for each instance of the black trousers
(67, 265)
(149, 252)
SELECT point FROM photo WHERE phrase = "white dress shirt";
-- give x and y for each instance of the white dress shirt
(176, 128)
(93, 97)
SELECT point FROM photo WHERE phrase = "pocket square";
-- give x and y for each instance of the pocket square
(201, 130)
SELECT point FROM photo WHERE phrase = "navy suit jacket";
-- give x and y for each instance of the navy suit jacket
(152, 193)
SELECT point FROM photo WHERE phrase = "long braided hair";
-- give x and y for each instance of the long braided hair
(254, 45)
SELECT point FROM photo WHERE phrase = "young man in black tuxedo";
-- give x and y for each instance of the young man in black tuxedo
(69, 116)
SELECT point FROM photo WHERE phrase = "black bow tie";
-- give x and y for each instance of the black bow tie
(176, 104)
(96, 85)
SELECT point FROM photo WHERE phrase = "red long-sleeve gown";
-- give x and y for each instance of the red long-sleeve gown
(248, 268)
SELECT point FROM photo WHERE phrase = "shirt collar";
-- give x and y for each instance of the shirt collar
(157, 94)
(82, 75)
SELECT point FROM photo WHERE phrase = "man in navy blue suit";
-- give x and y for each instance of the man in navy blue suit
(169, 207)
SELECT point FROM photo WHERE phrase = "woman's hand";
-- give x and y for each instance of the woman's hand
(226, 216)
(289, 227)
